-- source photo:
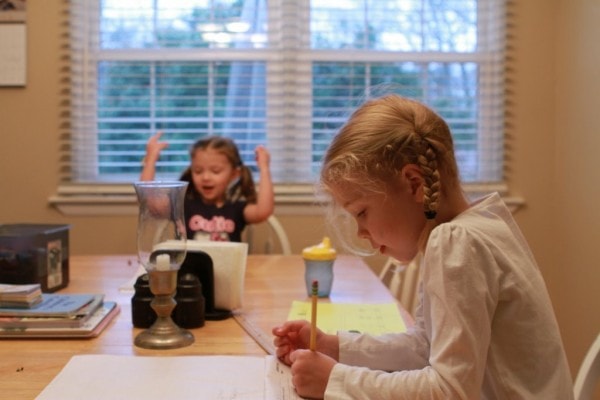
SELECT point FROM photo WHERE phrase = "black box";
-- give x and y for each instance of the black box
(35, 253)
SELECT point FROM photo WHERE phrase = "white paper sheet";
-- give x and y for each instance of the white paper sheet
(13, 51)
(93, 377)
(229, 265)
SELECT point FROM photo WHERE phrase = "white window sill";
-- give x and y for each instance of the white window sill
(112, 199)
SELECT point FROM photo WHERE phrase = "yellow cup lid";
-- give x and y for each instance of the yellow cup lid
(321, 251)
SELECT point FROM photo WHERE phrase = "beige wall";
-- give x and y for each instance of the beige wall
(555, 78)
(576, 184)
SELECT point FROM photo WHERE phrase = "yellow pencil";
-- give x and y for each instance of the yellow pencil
(313, 317)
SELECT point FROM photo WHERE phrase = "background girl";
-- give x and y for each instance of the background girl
(221, 198)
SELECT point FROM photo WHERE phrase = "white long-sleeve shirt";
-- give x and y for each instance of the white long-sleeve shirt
(485, 327)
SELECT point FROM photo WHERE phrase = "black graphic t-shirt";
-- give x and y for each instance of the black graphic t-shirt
(207, 221)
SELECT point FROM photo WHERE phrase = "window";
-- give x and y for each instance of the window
(284, 73)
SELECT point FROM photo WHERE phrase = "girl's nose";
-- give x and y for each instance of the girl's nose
(362, 233)
(204, 175)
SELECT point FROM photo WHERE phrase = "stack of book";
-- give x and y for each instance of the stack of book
(53, 315)
(20, 296)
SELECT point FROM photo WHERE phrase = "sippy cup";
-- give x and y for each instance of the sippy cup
(318, 262)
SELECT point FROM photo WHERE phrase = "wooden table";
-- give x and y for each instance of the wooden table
(272, 282)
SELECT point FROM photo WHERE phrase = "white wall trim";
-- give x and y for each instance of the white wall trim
(114, 199)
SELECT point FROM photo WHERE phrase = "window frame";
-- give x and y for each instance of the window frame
(107, 198)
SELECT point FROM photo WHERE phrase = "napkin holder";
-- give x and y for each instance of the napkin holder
(220, 267)
(201, 265)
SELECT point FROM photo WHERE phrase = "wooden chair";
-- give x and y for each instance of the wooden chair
(403, 281)
(268, 237)
(589, 373)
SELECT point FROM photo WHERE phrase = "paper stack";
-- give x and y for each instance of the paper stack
(20, 296)
(57, 315)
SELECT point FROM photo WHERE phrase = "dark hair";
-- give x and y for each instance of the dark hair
(243, 188)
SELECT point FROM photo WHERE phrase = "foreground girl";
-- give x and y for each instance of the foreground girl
(485, 328)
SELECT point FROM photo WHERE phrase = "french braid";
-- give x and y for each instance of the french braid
(431, 189)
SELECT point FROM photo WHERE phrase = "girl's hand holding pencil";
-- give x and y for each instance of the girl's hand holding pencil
(310, 352)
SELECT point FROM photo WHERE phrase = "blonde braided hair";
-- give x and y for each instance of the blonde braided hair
(431, 189)
(384, 135)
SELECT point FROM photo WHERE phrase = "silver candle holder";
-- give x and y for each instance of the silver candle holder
(161, 238)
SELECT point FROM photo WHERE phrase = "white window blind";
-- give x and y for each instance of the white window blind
(283, 73)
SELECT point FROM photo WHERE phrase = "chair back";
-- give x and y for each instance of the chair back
(402, 279)
(589, 373)
(268, 237)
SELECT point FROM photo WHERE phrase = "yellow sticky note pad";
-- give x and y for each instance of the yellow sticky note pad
(375, 319)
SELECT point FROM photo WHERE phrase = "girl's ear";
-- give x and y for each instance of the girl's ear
(233, 189)
(413, 177)
(236, 174)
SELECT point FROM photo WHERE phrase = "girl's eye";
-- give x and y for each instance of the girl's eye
(361, 214)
